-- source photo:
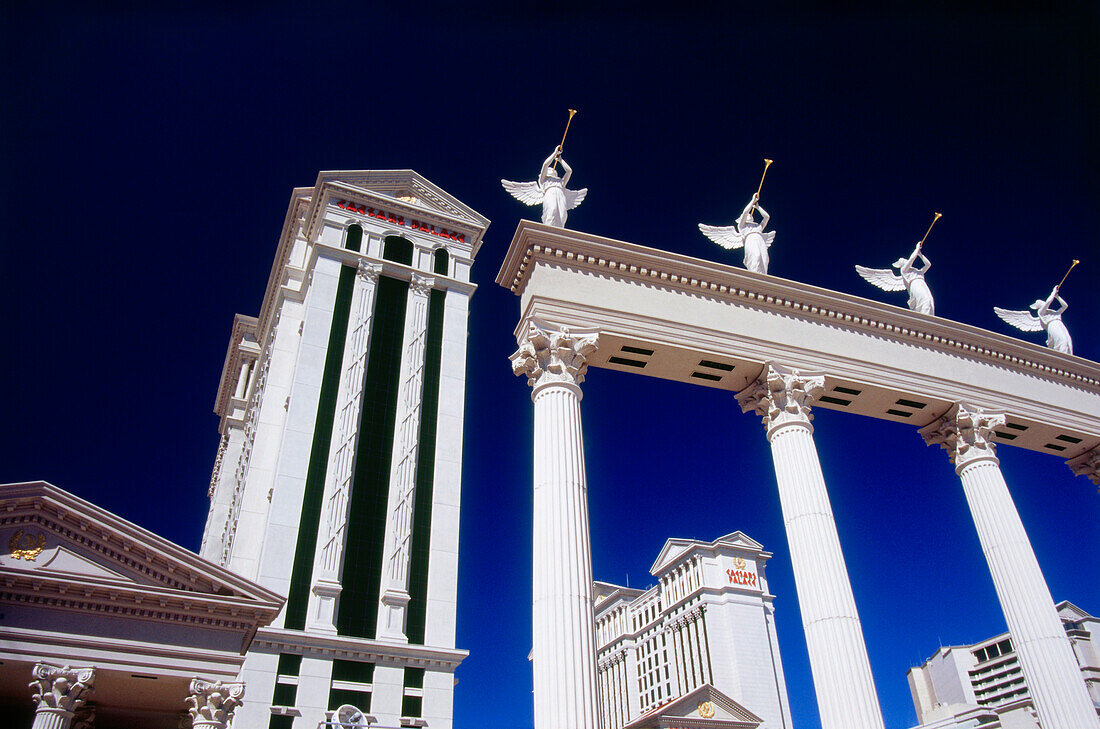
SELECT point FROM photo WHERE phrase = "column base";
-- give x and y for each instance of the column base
(394, 604)
(323, 617)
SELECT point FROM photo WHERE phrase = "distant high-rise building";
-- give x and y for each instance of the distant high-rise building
(981, 685)
(337, 479)
(698, 648)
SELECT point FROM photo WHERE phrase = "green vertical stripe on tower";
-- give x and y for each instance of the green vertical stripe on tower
(425, 473)
(357, 614)
(301, 572)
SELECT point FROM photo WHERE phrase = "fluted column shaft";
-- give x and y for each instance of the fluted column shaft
(1046, 656)
(563, 629)
(845, 689)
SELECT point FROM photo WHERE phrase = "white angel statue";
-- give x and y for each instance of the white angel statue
(745, 232)
(1045, 317)
(549, 190)
(911, 279)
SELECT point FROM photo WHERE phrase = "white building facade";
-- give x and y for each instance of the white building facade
(983, 684)
(708, 622)
(337, 479)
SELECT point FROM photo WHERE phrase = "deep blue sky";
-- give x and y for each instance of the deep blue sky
(148, 155)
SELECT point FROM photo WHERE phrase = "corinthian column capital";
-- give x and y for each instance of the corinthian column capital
(965, 433)
(554, 356)
(1087, 464)
(369, 271)
(421, 285)
(61, 689)
(782, 396)
(212, 703)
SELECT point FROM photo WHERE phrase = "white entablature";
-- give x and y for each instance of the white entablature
(674, 317)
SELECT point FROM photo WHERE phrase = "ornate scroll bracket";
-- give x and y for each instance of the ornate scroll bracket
(212, 703)
(966, 433)
(61, 689)
(1087, 464)
(548, 356)
(782, 396)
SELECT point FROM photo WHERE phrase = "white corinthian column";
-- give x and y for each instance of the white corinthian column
(563, 631)
(846, 697)
(59, 693)
(1046, 656)
(213, 703)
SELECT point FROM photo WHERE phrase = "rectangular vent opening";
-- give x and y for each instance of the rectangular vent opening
(1054, 447)
(909, 403)
(846, 390)
(835, 400)
(1014, 426)
(1067, 438)
(716, 365)
(899, 413)
(706, 376)
(627, 362)
(636, 350)
(1005, 436)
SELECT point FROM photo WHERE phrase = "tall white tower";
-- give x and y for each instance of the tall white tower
(337, 479)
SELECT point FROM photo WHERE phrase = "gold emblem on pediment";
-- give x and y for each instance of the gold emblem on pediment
(25, 545)
(739, 563)
(706, 710)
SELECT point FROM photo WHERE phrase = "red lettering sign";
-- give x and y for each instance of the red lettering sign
(400, 220)
(741, 577)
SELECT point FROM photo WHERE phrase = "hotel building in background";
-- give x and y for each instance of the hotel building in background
(698, 648)
(337, 479)
(981, 685)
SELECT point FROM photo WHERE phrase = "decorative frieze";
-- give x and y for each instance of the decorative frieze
(213, 703)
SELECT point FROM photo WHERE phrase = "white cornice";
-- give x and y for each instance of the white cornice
(277, 640)
(242, 325)
(537, 242)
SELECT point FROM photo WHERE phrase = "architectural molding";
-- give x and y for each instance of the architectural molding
(278, 640)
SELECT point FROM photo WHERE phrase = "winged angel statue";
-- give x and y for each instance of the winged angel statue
(747, 233)
(910, 277)
(549, 190)
(1045, 317)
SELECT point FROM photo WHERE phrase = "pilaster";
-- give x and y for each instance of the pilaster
(326, 588)
(59, 693)
(563, 653)
(845, 689)
(1045, 653)
(212, 703)
(406, 446)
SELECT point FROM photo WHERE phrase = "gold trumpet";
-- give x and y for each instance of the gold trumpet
(1075, 262)
(567, 123)
(934, 219)
(767, 164)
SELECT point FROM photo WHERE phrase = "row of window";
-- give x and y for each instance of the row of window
(397, 249)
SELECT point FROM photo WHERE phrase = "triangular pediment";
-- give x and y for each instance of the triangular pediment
(49, 536)
(1068, 611)
(408, 187)
(676, 549)
(705, 707)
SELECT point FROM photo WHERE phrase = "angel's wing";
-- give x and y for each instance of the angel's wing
(1023, 320)
(528, 193)
(725, 236)
(884, 278)
(573, 198)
